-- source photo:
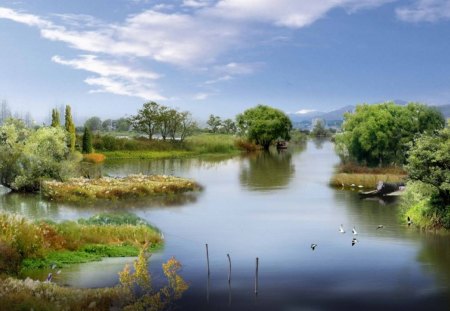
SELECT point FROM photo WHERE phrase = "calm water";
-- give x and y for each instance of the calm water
(273, 206)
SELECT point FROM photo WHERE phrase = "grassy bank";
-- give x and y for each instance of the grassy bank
(148, 154)
(350, 174)
(27, 245)
(142, 148)
(133, 186)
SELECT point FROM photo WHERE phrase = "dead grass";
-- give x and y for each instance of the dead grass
(368, 181)
(133, 186)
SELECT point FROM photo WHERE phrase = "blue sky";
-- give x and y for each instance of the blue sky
(107, 58)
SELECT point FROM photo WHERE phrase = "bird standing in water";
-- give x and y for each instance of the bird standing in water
(341, 229)
(313, 246)
(354, 231)
(354, 241)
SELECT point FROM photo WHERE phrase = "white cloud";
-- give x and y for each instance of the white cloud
(104, 68)
(27, 19)
(201, 96)
(219, 79)
(115, 78)
(195, 3)
(305, 111)
(287, 13)
(119, 86)
(425, 11)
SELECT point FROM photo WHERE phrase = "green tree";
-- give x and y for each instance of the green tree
(94, 124)
(147, 119)
(70, 128)
(380, 134)
(229, 126)
(121, 125)
(214, 123)
(428, 169)
(164, 118)
(87, 141)
(264, 124)
(187, 125)
(107, 125)
(319, 129)
(55, 118)
(28, 156)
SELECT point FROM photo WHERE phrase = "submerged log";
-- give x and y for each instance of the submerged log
(383, 189)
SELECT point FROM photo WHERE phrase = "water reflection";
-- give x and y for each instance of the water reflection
(267, 170)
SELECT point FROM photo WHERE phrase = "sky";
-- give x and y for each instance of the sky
(108, 57)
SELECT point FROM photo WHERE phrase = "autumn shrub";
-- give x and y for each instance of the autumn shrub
(95, 158)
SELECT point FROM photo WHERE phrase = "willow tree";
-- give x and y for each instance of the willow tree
(264, 124)
(70, 128)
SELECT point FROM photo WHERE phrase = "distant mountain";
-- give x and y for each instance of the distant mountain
(305, 115)
(338, 114)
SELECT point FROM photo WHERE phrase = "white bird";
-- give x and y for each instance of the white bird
(354, 241)
(58, 272)
(354, 231)
(313, 246)
(380, 227)
(341, 229)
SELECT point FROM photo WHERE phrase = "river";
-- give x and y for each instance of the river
(273, 206)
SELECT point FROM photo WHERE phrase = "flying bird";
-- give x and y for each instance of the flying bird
(380, 227)
(313, 246)
(341, 229)
(354, 241)
(354, 231)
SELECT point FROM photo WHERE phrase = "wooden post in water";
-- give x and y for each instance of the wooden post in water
(229, 268)
(207, 258)
(256, 276)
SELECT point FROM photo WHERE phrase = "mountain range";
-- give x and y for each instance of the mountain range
(338, 114)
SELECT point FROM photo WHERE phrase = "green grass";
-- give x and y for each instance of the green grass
(148, 154)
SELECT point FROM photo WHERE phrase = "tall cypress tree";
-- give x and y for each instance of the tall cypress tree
(55, 118)
(70, 127)
(87, 140)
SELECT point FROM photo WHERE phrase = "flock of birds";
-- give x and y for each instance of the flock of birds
(354, 240)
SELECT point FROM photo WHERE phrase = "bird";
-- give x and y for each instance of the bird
(313, 246)
(53, 266)
(49, 277)
(341, 229)
(354, 241)
(354, 231)
(380, 227)
(409, 221)
(58, 272)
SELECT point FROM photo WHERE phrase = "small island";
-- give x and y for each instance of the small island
(109, 188)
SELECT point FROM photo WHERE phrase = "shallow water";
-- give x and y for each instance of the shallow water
(273, 206)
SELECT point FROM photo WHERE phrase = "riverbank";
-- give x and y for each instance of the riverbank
(27, 245)
(107, 188)
(198, 145)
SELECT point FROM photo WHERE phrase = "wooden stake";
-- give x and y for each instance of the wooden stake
(256, 276)
(229, 268)
(207, 258)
